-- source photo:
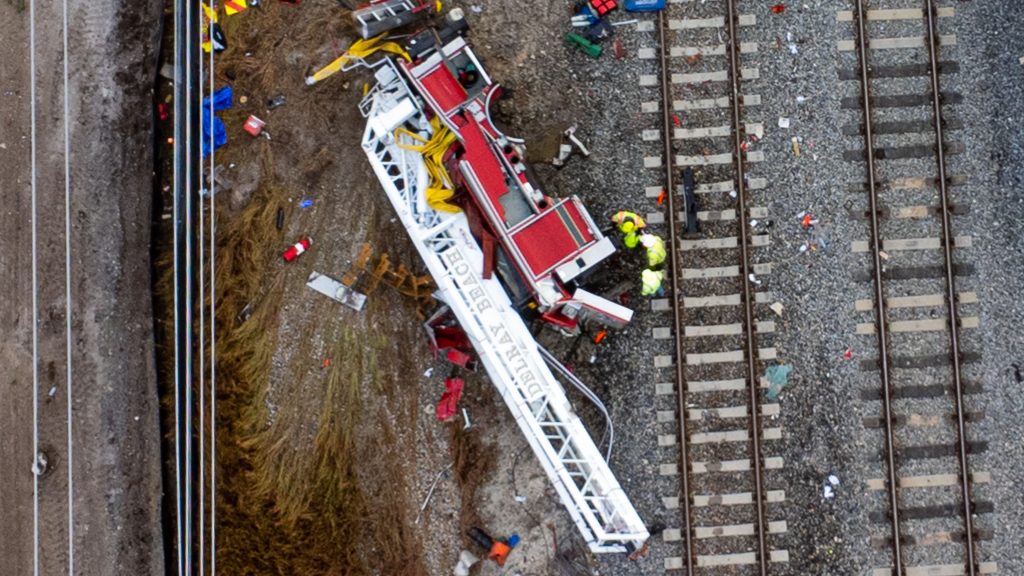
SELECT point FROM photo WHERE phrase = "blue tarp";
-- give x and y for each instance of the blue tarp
(221, 100)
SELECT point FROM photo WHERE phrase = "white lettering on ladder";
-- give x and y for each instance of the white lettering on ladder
(494, 324)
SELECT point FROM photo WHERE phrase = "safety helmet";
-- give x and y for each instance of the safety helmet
(628, 226)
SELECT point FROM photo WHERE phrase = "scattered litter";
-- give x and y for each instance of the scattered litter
(465, 418)
(600, 336)
(327, 363)
(254, 125)
(232, 7)
(796, 145)
(754, 223)
(777, 376)
(793, 49)
(571, 135)
(336, 291)
(732, 194)
(586, 46)
(305, 203)
(40, 464)
(777, 308)
(626, 22)
(754, 279)
(276, 102)
(778, 9)
(564, 150)
(618, 49)
(833, 479)
(848, 355)
(520, 499)
(801, 99)
(280, 219)
(466, 561)
(644, 5)
(827, 492)
(213, 126)
(759, 131)
(828, 486)
(447, 406)
(297, 249)
(883, 254)
(677, 121)
(476, 9)
(243, 99)
(661, 198)
(430, 492)
(497, 550)
(52, 392)
(428, 372)
(1021, 60)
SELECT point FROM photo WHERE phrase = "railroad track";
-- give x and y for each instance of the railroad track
(902, 122)
(716, 436)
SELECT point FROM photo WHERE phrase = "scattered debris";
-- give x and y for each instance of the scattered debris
(465, 418)
(753, 278)
(297, 249)
(777, 308)
(447, 406)
(564, 151)
(588, 47)
(828, 486)
(883, 254)
(336, 291)
(783, 122)
(497, 550)
(778, 9)
(777, 376)
(571, 135)
(280, 219)
(618, 49)
(466, 561)
(254, 125)
(276, 102)
(213, 127)
(306, 203)
(1016, 373)
(848, 355)
(644, 5)
(428, 372)
(796, 145)
(40, 464)
(430, 492)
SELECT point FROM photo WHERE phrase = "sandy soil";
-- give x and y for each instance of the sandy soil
(116, 518)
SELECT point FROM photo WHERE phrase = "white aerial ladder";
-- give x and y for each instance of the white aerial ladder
(593, 497)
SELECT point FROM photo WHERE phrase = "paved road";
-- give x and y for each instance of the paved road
(116, 451)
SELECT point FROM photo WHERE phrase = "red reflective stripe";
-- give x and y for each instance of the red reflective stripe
(232, 5)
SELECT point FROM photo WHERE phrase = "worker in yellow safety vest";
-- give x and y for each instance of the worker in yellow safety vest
(655, 249)
(629, 223)
(650, 282)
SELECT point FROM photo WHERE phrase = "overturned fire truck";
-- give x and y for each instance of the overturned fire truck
(498, 248)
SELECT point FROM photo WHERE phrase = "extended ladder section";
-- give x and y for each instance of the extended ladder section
(595, 501)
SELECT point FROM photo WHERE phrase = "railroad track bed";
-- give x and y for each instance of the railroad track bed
(926, 518)
(710, 349)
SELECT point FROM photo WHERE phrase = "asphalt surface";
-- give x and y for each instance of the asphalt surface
(114, 528)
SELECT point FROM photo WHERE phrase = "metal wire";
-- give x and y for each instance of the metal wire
(67, 294)
(35, 292)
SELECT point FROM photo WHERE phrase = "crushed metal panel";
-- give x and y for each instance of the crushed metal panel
(336, 291)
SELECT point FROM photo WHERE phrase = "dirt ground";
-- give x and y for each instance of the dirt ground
(115, 442)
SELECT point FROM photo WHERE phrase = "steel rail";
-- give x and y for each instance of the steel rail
(675, 266)
(753, 386)
(951, 298)
(880, 317)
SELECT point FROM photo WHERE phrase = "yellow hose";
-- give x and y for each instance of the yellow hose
(433, 150)
(360, 49)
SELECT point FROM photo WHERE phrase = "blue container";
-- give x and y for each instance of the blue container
(644, 5)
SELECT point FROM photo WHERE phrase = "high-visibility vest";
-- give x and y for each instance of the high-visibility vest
(628, 221)
(656, 252)
(650, 281)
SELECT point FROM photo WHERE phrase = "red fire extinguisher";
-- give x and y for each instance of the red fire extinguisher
(296, 249)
